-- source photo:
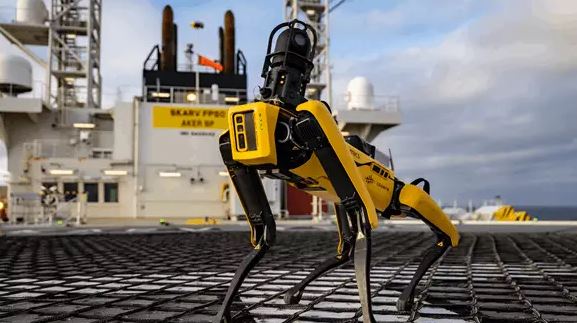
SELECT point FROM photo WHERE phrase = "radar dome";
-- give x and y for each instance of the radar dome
(360, 94)
(15, 75)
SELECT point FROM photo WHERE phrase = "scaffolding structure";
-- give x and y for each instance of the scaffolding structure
(74, 55)
(316, 14)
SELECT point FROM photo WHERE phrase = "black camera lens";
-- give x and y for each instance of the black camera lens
(241, 142)
(300, 39)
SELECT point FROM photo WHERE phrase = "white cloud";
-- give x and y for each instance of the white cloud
(435, 162)
(130, 28)
(490, 107)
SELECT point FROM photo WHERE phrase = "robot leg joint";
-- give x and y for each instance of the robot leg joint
(351, 204)
(308, 131)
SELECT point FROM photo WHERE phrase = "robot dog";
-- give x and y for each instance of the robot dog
(285, 136)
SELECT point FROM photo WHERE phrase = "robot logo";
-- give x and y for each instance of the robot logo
(369, 179)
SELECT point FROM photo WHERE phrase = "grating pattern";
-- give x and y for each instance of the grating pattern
(180, 277)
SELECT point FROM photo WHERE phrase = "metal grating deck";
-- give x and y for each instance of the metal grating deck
(180, 277)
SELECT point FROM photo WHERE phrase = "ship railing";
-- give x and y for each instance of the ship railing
(60, 148)
(152, 63)
(193, 67)
(26, 208)
(71, 211)
(46, 148)
(387, 103)
(188, 95)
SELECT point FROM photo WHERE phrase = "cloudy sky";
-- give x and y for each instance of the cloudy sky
(487, 88)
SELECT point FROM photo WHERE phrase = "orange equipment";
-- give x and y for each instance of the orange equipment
(205, 61)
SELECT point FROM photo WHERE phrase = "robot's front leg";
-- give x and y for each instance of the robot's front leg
(346, 245)
(363, 266)
(259, 216)
(417, 203)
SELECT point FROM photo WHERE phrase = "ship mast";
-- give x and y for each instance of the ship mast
(73, 72)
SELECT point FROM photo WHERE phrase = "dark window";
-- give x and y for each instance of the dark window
(111, 192)
(91, 190)
(376, 169)
(70, 191)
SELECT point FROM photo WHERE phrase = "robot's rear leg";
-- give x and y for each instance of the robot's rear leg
(405, 301)
(344, 252)
(443, 229)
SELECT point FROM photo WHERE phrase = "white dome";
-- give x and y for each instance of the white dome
(360, 94)
(31, 12)
(15, 74)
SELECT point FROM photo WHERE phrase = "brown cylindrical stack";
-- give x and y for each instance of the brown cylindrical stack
(168, 53)
(228, 46)
(221, 45)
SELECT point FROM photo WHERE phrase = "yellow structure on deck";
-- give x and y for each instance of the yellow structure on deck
(508, 213)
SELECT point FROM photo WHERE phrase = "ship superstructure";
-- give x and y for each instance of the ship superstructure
(71, 160)
(154, 157)
(56, 133)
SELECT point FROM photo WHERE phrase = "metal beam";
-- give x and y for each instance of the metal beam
(66, 9)
(336, 5)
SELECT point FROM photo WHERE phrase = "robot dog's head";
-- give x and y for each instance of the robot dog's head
(287, 70)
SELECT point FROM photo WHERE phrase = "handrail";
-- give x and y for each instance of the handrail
(176, 94)
(240, 60)
(154, 50)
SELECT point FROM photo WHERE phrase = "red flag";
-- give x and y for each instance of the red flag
(205, 61)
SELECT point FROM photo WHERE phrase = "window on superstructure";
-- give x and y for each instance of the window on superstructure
(111, 192)
(91, 190)
(70, 191)
(101, 154)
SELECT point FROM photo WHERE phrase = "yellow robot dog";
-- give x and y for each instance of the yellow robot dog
(286, 137)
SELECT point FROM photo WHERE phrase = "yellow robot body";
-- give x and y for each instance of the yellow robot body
(252, 128)
(378, 180)
(252, 133)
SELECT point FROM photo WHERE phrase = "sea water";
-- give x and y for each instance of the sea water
(550, 212)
